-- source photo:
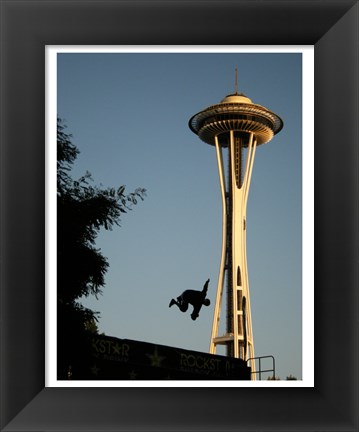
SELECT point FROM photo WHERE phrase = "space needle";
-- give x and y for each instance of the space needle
(235, 126)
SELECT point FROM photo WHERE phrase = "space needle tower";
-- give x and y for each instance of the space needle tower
(235, 127)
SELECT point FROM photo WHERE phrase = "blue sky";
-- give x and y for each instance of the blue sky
(128, 114)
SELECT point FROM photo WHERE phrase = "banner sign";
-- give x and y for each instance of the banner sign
(114, 358)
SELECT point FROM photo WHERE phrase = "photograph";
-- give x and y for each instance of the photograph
(179, 215)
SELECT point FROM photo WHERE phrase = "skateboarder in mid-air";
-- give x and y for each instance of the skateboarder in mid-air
(195, 298)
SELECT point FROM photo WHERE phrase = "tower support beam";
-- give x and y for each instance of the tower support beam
(224, 253)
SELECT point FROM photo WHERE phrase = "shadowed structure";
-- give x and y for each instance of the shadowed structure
(124, 359)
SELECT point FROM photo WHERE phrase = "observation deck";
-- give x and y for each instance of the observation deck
(238, 113)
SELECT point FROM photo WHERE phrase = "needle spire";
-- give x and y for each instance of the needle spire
(236, 81)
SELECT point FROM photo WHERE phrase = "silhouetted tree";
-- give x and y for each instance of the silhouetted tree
(291, 378)
(82, 210)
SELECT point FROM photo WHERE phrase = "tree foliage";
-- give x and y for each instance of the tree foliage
(291, 378)
(273, 378)
(82, 210)
(276, 378)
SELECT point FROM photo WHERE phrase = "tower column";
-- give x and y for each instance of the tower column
(242, 323)
(224, 253)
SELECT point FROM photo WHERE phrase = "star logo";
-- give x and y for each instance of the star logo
(95, 370)
(132, 375)
(155, 358)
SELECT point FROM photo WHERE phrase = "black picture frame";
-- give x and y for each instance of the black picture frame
(26, 28)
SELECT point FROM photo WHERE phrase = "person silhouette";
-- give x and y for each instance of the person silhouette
(195, 298)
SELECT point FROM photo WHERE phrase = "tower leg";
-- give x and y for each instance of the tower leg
(217, 308)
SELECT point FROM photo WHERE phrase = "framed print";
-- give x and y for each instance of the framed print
(27, 29)
(148, 265)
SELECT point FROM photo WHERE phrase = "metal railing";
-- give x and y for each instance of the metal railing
(260, 371)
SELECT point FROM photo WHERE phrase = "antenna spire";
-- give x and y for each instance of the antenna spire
(236, 81)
